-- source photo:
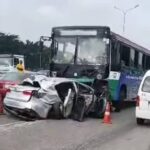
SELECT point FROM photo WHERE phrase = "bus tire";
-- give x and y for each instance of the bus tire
(122, 96)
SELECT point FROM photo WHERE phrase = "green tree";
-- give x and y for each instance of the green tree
(10, 44)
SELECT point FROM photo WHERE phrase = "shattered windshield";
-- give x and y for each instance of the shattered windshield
(90, 50)
(66, 50)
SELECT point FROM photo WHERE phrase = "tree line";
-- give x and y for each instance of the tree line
(34, 57)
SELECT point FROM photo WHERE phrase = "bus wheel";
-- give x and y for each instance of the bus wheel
(122, 96)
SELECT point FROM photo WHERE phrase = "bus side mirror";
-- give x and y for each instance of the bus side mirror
(44, 40)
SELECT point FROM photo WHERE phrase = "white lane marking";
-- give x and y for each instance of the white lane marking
(11, 126)
(8, 124)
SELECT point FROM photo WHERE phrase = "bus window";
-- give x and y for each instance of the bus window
(136, 59)
(140, 60)
(115, 55)
(125, 55)
(132, 57)
(147, 62)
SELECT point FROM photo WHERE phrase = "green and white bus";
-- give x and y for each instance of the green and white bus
(88, 53)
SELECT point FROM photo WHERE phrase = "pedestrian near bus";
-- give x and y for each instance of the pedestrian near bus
(20, 66)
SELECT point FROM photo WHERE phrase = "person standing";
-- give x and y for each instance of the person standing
(20, 66)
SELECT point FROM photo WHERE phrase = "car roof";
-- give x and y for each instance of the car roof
(147, 73)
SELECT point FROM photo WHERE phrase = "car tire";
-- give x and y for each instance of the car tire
(57, 111)
(139, 121)
(79, 108)
(100, 107)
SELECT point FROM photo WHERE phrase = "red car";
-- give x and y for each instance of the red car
(10, 79)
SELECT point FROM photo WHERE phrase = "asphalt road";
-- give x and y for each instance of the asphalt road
(91, 134)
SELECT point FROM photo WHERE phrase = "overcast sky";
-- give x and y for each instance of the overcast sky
(32, 18)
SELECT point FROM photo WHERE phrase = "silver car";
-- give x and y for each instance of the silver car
(42, 97)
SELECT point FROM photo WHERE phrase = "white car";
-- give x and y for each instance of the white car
(40, 97)
(143, 100)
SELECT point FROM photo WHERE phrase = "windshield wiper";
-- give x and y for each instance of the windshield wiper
(76, 51)
(74, 58)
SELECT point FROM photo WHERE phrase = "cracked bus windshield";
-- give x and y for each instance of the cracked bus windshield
(66, 50)
(90, 50)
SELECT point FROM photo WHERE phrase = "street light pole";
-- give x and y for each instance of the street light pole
(124, 21)
(125, 13)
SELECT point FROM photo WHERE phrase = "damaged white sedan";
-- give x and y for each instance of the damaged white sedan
(40, 97)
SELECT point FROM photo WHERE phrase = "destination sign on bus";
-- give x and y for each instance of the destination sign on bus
(78, 32)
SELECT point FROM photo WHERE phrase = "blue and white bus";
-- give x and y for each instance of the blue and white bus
(89, 53)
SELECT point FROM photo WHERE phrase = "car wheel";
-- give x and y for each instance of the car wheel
(139, 121)
(79, 109)
(100, 107)
(57, 111)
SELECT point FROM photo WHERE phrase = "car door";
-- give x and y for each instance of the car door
(84, 101)
(87, 92)
(67, 94)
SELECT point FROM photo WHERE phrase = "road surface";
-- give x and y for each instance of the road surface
(91, 134)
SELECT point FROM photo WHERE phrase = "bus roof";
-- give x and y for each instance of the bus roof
(10, 55)
(80, 27)
(114, 35)
(130, 43)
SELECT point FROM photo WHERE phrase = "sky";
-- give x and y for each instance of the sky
(32, 18)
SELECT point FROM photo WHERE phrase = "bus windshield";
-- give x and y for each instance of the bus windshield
(92, 50)
(88, 50)
(66, 50)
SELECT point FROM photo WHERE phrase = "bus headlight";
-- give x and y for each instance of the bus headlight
(99, 76)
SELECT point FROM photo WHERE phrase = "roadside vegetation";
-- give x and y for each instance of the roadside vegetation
(11, 44)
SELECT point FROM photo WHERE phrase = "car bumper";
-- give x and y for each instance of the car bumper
(144, 114)
(25, 114)
(34, 105)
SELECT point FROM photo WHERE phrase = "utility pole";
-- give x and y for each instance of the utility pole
(124, 12)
